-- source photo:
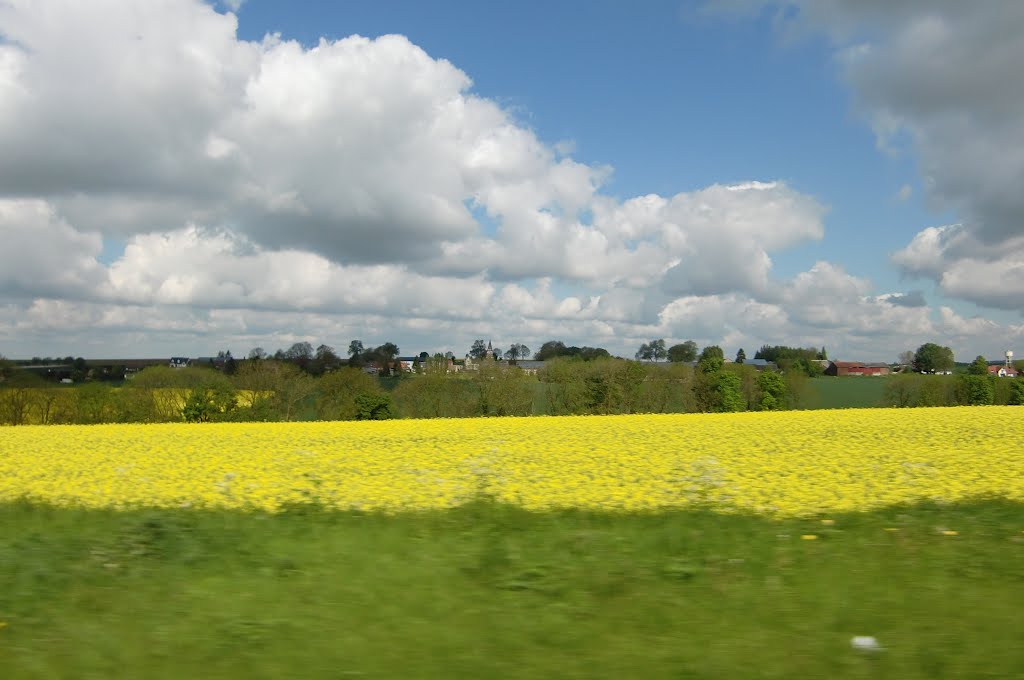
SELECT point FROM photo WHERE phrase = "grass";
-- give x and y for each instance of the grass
(492, 591)
(846, 392)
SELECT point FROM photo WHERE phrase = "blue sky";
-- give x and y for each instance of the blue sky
(806, 164)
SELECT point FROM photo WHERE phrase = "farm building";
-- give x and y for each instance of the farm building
(850, 368)
(1002, 371)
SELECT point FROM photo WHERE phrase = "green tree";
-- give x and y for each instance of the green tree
(1017, 392)
(741, 356)
(712, 352)
(716, 390)
(503, 390)
(979, 366)
(901, 390)
(517, 351)
(975, 390)
(374, 407)
(355, 353)
(338, 390)
(772, 389)
(658, 349)
(683, 352)
(930, 358)
(478, 350)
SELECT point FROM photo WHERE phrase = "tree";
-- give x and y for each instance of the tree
(337, 392)
(324, 360)
(712, 351)
(385, 354)
(975, 390)
(257, 353)
(504, 390)
(517, 351)
(1017, 392)
(901, 390)
(355, 352)
(659, 350)
(209, 403)
(683, 352)
(645, 353)
(906, 358)
(772, 390)
(479, 350)
(930, 358)
(550, 350)
(741, 356)
(979, 366)
(374, 407)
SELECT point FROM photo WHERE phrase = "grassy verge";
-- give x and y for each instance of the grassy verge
(492, 591)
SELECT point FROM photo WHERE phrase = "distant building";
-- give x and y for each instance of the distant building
(528, 366)
(180, 362)
(760, 364)
(1002, 371)
(852, 368)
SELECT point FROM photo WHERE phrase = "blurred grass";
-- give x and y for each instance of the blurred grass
(490, 591)
(847, 392)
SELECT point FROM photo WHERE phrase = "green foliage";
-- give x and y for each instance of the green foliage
(975, 390)
(772, 390)
(338, 390)
(685, 352)
(652, 351)
(503, 390)
(1017, 392)
(730, 397)
(784, 357)
(717, 390)
(930, 358)
(211, 402)
(979, 366)
(741, 356)
(712, 352)
(435, 394)
(374, 407)
(553, 349)
(901, 390)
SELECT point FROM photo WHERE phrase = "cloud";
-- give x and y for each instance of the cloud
(905, 192)
(943, 80)
(914, 298)
(265, 192)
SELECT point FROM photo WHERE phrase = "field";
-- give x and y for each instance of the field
(847, 392)
(703, 546)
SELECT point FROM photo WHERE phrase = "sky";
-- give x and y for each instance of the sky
(180, 177)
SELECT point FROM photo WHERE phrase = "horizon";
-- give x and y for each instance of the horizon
(191, 174)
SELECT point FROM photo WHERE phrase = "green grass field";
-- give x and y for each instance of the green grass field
(845, 392)
(488, 591)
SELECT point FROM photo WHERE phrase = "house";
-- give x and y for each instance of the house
(851, 368)
(1002, 371)
(180, 362)
(760, 364)
(528, 366)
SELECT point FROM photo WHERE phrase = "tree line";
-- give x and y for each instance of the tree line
(268, 389)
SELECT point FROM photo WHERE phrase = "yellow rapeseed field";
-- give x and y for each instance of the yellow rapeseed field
(790, 463)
